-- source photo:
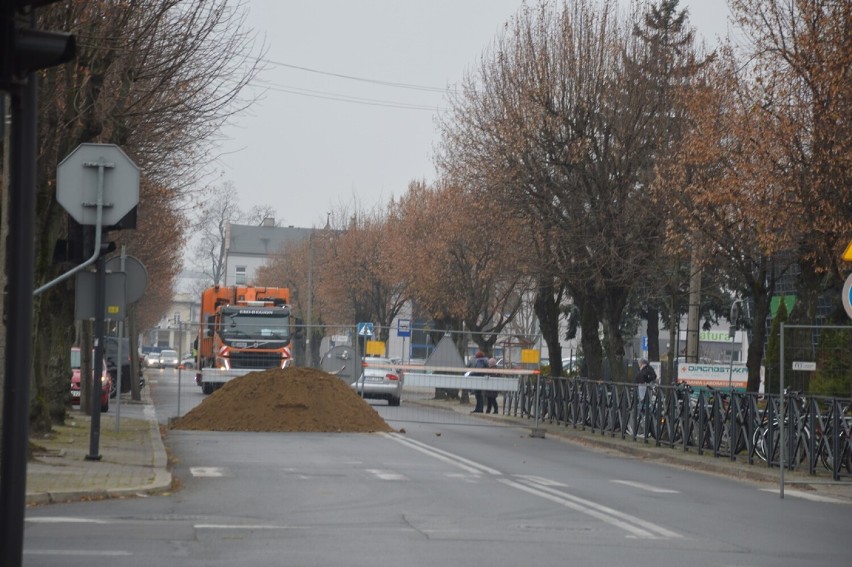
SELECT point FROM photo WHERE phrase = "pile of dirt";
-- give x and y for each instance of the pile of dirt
(292, 399)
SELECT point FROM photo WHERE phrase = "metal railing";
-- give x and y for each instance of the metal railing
(725, 424)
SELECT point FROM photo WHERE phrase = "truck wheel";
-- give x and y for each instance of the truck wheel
(207, 388)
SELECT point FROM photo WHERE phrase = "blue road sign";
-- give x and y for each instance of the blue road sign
(403, 327)
(365, 329)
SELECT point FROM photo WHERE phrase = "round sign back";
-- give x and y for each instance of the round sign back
(137, 276)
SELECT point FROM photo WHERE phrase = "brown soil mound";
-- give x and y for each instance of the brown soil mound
(292, 399)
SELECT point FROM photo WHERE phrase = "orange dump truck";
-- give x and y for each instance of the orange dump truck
(242, 329)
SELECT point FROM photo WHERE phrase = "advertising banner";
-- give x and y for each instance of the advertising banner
(716, 375)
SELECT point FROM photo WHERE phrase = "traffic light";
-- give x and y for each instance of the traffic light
(24, 49)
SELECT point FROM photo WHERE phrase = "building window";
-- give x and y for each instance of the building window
(240, 277)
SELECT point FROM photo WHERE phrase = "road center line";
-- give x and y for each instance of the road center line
(446, 456)
(609, 515)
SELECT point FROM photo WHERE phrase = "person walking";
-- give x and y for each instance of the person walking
(480, 362)
(645, 376)
(491, 395)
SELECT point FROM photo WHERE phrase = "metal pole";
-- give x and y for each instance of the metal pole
(781, 418)
(100, 307)
(537, 397)
(180, 359)
(308, 355)
(118, 355)
(19, 319)
(118, 372)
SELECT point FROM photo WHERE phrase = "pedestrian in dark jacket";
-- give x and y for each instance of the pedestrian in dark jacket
(491, 395)
(645, 376)
(480, 362)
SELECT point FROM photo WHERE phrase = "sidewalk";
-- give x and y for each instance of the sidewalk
(133, 460)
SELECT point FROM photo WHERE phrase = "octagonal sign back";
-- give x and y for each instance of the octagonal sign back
(77, 183)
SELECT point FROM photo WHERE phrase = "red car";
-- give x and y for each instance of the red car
(106, 381)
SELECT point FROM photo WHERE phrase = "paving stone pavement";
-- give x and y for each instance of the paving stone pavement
(132, 462)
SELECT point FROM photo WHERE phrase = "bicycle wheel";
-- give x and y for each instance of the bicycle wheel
(760, 443)
(827, 458)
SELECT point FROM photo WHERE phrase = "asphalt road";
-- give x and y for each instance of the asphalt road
(439, 494)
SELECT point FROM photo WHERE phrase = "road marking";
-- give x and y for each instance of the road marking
(77, 552)
(646, 487)
(207, 472)
(446, 456)
(806, 496)
(64, 520)
(464, 477)
(245, 527)
(387, 475)
(540, 480)
(636, 527)
(543, 488)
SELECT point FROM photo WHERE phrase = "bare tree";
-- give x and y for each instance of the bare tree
(463, 258)
(158, 78)
(356, 276)
(556, 121)
(216, 215)
(797, 69)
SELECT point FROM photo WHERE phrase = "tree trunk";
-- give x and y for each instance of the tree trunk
(614, 342)
(673, 338)
(653, 334)
(693, 317)
(546, 308)
(590, 339)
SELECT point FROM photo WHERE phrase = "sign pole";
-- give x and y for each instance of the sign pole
(100, 307)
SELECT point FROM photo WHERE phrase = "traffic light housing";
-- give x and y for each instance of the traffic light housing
(24, 49)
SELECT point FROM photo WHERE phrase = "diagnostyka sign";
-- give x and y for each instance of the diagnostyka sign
(716, 375)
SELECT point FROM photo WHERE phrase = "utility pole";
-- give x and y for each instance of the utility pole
(694, 309)
(23, 50)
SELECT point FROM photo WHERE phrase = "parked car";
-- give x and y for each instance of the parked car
(380, 379)
(152, 359)
(106, 381)
(188, 362)
(169, 358)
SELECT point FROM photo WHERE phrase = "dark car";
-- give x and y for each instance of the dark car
(106, 381)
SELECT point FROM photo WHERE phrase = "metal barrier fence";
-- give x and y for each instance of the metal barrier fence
(722, 423)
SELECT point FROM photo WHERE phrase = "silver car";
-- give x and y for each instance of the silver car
(169, 359)
(381, 378)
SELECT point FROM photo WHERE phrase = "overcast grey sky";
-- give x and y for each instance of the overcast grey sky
(330, 128)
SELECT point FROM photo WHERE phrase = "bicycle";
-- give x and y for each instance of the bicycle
(767, 440)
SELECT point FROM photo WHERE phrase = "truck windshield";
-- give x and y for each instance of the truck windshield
(272, 326)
